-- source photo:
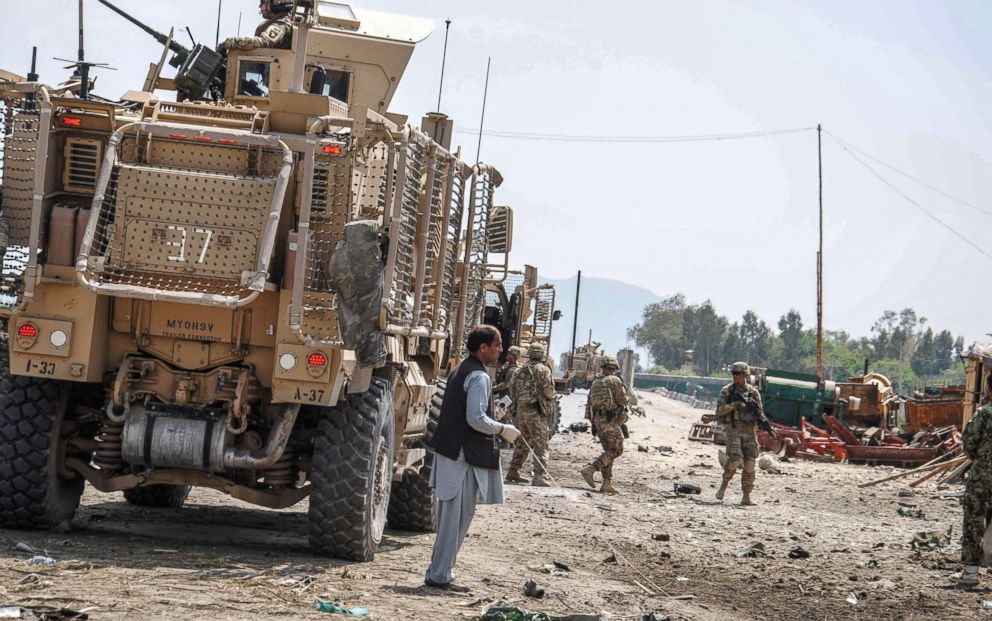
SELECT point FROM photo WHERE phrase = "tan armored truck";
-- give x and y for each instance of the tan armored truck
(254, 294)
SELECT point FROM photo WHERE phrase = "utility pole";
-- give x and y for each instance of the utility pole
(819, 267)
(575, 317)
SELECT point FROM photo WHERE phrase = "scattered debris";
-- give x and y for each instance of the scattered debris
(932, 539)
(41, 560)
(661, 537)
(610, 559)
(798, 552)
(324, 605)
(907, 512)
(757, 549)
(531, 589)
(687, 488)
(26, 548)
(579, 427)
(766, 464)
(642, 448)
(987, 605)
(852, 599)
(41, 613)
(655, 616)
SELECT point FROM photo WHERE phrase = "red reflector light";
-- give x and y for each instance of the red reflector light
(27, 330)
(227, 141)
(332, 149)
(72, 121)
(317, 359)
(202, 138)
(179, 136)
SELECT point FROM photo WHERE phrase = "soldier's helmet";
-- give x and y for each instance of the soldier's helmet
(279, 6)
(536, 352)
(609, 361)
(740, 367)
(516, 351)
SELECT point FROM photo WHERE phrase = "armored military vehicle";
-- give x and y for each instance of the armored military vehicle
(253, 293)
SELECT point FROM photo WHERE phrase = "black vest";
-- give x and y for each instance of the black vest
(453, 433)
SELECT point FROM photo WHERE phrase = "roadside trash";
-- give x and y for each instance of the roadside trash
(610, 559)
(42, 613)
(561, 566)
(532, 590)
(766, 464)
(931, 540)
(687, 488)
(508, 613)
(579, 427)
(642, 448)
(661, 537)
(906, 493)
(757, 549)
(29, 549)
(986, 605)
(852, 599)
(798, 552)
(555, 569)
(323, 605)
(41, 560)
(682, 579)
(10, 612)
(913, 513)
(655, 616)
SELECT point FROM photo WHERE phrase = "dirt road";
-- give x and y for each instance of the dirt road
(628, 555)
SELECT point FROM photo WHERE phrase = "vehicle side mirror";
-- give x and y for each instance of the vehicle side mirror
(556, 315)
(500, 230)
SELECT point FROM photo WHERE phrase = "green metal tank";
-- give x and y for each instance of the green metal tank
(789, 396)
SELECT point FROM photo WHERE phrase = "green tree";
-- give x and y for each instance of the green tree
(704, 330)
(661, 331)
(790, 330)
(755, 339)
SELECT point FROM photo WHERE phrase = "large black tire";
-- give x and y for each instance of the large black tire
(352, 474)
(165, 496)
(32, 493)
(411, 505)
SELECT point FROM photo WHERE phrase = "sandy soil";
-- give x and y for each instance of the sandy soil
(218, 558)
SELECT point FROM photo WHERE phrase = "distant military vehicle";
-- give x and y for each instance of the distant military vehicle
(580, 367)
(254, 294)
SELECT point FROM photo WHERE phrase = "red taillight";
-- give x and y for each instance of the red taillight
(27, 331)
(72, 121)
(179, 136)
(202, 138)
(317, 359)
(227, 141)
(332, 149)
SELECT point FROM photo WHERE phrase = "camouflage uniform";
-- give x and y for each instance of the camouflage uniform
(977, 440)
(272, 33)
(742, 441)
(504, 375)
(531, 389)
(607, 402)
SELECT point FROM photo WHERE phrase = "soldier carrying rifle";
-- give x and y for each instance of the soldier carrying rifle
(607, 407)
(740, 411)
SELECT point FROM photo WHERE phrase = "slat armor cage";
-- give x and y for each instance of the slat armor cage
(185, 214)
(19, 129)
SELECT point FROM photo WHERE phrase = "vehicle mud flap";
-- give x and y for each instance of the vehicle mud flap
(32, 493)
(352, 474)
(356, 271)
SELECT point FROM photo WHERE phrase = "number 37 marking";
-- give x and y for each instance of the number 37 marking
(181, 244)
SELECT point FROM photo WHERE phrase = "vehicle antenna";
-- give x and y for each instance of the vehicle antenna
(217, 37)
(444, 57)
(239, 24)
(83, 68)
(575, 318)
(482, 121)
(190, 33)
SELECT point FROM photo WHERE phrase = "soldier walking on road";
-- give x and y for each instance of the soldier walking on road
(275, 32)
(977, 443)
(607, 407)
(505, 373)
(740, 411)
(532, 391)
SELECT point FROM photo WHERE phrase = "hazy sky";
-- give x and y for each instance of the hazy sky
(910, 83)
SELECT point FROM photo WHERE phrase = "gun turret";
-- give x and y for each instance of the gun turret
(198, 69)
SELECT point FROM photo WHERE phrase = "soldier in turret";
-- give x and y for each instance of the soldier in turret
(275, 32)
(532, 391)
(740, 411)
(607, 407)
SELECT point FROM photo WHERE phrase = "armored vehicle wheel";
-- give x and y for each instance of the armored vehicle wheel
(352, 474)
(411, 505)
(33, 491)
(165, 496)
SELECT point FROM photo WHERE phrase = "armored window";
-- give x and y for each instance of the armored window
(253, 78)
(330, 82)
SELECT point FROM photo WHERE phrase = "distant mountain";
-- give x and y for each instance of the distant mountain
(607, 307)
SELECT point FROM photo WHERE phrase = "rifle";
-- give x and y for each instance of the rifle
(199, 69)
(752, 414)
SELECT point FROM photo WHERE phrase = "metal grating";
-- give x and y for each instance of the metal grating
(449, 268)
(400, 297)
(544, 306)
(170, 222)
(482, 193)
(434, 202)
(82, 165)
(18, 152)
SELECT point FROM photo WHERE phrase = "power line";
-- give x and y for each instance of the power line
(533, 136)
(909, 176)
(928, 213)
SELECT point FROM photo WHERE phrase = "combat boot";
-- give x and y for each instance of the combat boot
(608, 488)
(587, 474)
(727, 476)
(514, 477)
(967, 577)
(747, 484)
(539, 481)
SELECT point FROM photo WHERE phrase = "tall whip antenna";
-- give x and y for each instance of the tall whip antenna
(444, 58)
(482, 121)
(84, 69)
(217, 37)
